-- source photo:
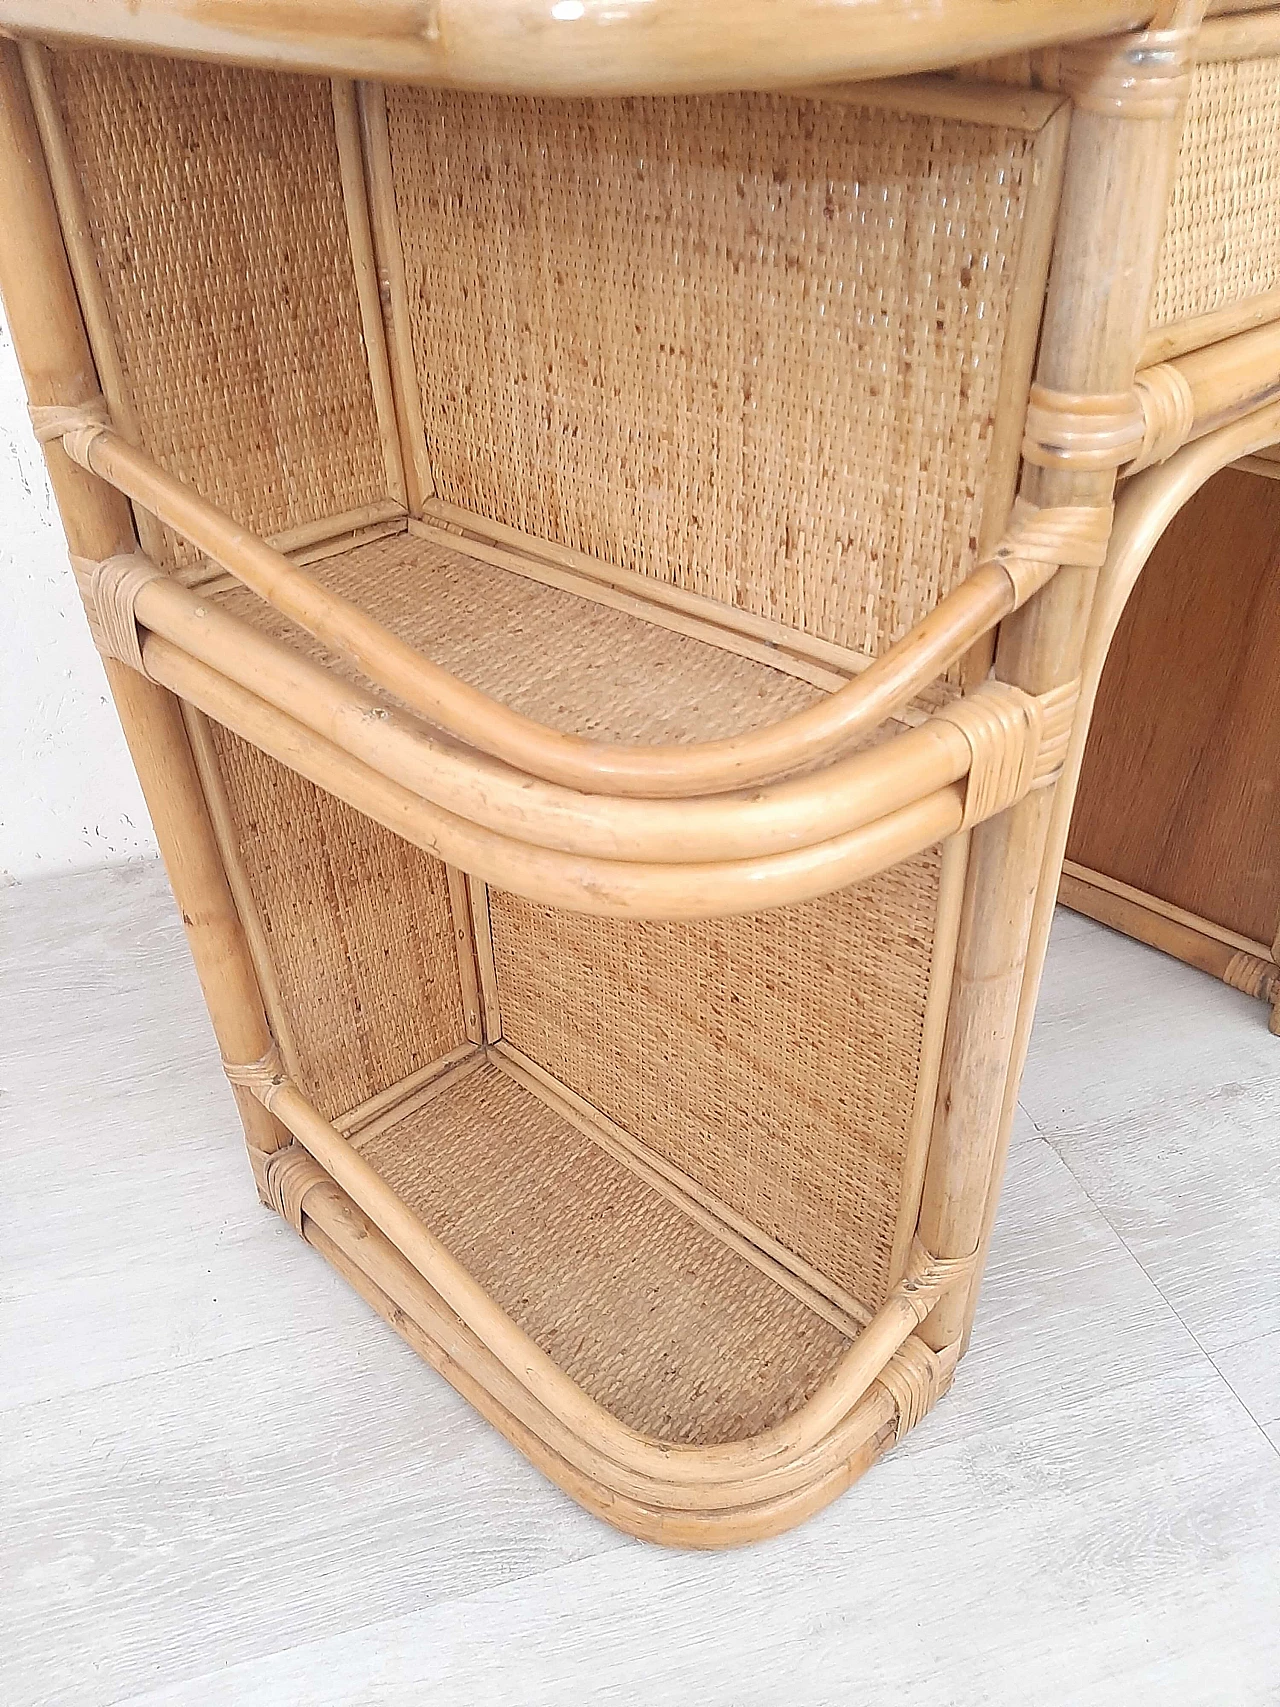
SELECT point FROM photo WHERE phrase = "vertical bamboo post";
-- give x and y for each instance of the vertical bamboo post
(57, 369)
(1124, 133)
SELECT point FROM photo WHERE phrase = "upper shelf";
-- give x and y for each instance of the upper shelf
(583, 47)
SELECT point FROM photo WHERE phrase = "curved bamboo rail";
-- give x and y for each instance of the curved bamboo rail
(779, 1460)
(582, 47)
(1147, 505)
(837, 722)
(608, 888)
(797, 813)
(639, 1505)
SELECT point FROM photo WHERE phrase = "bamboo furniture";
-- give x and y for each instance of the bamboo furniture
(601, 528)
(1187, 730)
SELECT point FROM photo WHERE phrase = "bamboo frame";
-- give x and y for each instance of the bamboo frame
(608, 888)
(637, 833)
(346, 129)
(394, 291)
(1120, 164)
(1249, 967)
(58, 369)
(1163, 343)
(794, 814)
(722, 44)
(1147, 505)
(805, 1446)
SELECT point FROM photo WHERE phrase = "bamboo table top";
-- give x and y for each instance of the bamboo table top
(586, 46)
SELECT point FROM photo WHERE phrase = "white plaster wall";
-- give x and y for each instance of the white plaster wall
(68, 796)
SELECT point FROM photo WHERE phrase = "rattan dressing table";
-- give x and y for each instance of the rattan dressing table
(603, 523)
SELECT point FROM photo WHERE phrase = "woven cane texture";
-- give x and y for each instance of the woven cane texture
(658, 1321)
(750, 345)
(571, 663)
(358, 927)
(773, 1058)
(216, 210)
(1222, 242)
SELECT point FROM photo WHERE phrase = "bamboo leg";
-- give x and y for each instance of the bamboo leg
(1119, 165)
(58, 369)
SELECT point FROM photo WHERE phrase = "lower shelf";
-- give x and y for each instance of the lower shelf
(657, 1372)
(675, 1334)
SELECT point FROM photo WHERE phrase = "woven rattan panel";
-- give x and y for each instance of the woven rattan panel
(676, 1334)
(750, 345)
(774, 1059)
(358, 927)
(552, 655)
(1222, 243)
(216, 210)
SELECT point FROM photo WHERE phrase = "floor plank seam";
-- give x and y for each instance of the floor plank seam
(1158, 1289)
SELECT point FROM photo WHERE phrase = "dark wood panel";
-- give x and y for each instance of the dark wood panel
(1180, 794)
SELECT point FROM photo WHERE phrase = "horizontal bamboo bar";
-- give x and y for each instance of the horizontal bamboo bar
(464, 711)
(1195, 943)
(1166, 909)
(1191, 395)
(1162, 343)
(608, 888)
(793, 814)
(770, 1462)
(571, 49)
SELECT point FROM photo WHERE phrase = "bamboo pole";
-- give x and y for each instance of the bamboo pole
(346, 129)
(1187, 397)
(1120, 161)
(58, 370)
(834, 723)
(1147, 505)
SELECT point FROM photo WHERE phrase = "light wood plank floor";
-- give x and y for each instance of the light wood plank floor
(224, 1481)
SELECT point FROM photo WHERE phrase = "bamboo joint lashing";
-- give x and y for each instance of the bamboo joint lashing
(1169, 410)
(1084, 432)
(109, 590)
(1251, 976)
(52, 421)
(927, 1277)
(1146, 75)
(265, 1077)
(1039, 540)
(913, 1379)
(1057, 713)
(289, 1175)
(1002, 726)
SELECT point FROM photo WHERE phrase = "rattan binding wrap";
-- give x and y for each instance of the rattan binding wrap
(639, 334)
(217, 218)
(1222, 241)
